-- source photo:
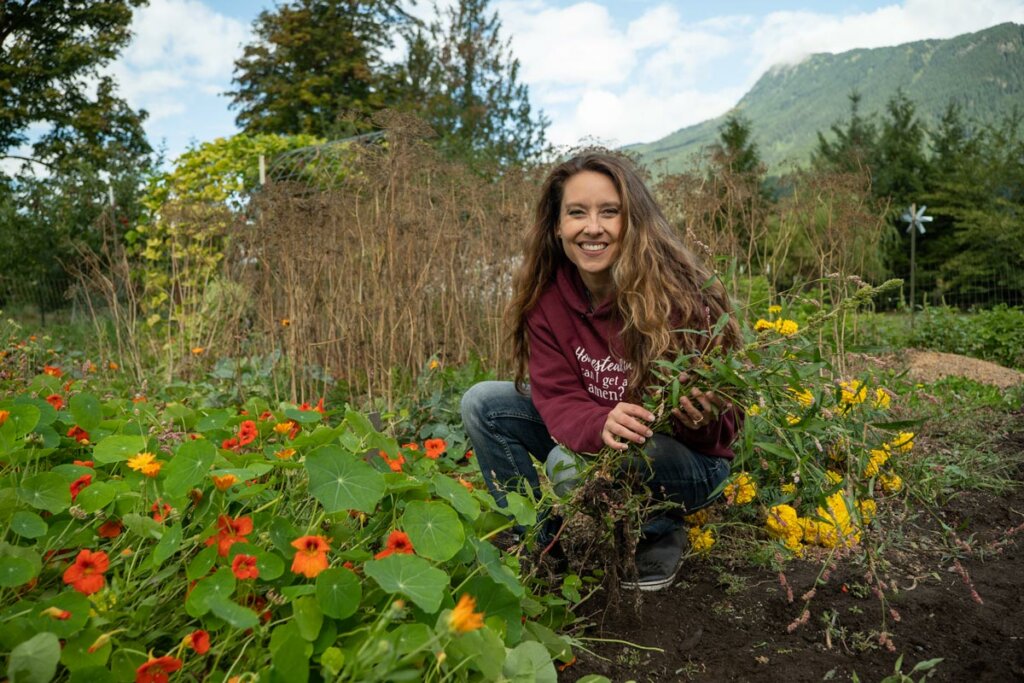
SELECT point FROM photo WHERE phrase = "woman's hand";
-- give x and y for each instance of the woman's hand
(626, 421)
(700, 407)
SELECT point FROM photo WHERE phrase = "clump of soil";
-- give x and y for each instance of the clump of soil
(929, 366)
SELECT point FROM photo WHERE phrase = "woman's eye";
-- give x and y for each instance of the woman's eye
(610, 212)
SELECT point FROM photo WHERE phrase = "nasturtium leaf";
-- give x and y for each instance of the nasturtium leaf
(456, 494)
(96, 496)
(289, 654)
(35, 660)
(86, 411)
(410, 637)
(490, 559)
(269, 564)
(557, 646)
(220, 584)
(341, 481)
(202, 563)
(46, 491)
(302, 416)
(189, 467)
(411, 576)
(359, 424)
(47, 413)
(15, 571)
(28, 524)
(92, 674)
(529, 663)
(118, 447)
(71, 601)
(141, 525)
(76, 656)
(308, 617)
(483, 648)
(230, 611)
(338, 591)
(434, 528)
(21, 420)
(168, 545)
(521, 508)
(495, 601)
(214, 419)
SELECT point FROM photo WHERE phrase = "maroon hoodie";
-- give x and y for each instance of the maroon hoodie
(577, 374)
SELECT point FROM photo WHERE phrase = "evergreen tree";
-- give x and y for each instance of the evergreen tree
(315, 67)
(736, 149)
(853, 149)
(899, 166)
(466, 84)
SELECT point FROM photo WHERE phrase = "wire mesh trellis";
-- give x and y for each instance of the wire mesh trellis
(317, 168)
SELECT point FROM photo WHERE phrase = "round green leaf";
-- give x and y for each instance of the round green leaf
(530, 662)
(28, 524)
(46, 491)
(233, 613)
(86, 411)
(270, 565)
(308, 617)
(118, 447)
(456, 494)
(189, 467)
(70, 600)
(96, 496)
(76, 656)
(15, 571)
(411, 576)
(341, 481)
(35, 660)
(434, 529)
(302, 416)
(21, 420)
(338, 591)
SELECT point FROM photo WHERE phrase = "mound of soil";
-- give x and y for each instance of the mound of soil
(721, 623)
(929, 366)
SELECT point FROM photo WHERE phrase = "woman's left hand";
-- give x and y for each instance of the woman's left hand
(699, 408)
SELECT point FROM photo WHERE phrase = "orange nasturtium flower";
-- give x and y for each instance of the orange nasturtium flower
(111, 528)
(244, 567)
(398, 544)
(435, 447)
(146, 463)
(52, 371)
(284, 453)
(4, 414)
(225, 482)
(85, 575)
(247, 432)
(198, 640)
(55, 400)
(56, 613)
(155, 670)
(311, 558)
(230, 531)
(79, 434)
(394, 463)
(464, 618)
(78, 484)
(160, 510)
(197, 350)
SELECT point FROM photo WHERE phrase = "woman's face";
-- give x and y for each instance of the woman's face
(589, 226)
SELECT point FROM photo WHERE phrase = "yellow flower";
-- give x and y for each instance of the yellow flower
(741, 490)
(283, 427)
(701, 540)
(782, 523)
(434, 364)
(853, 392)
(785, 327)
(772, 310)
(284, 453)
(463, 618)
(197, 350)
(803, 396)
(882, 399)
(839, 529)
(789, 489)
(833, 477)
(879, 456)
(867, 509)
(146, 463)
(754, 410)
(792, 419)
(763, 324)
(903, 442)
(698, 518)
(225, 482)
(891, 483)
(285, 322)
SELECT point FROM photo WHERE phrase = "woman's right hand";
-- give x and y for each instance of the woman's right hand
(628, 422)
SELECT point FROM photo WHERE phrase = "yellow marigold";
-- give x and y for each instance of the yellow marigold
(701, 540)
(772, 310)
(891, 483)
(867, 509)
(904, 442)
(698, 518)
(146, 463)
(882, 399)
(754, 410)
(463, 618)
(785, 327)
(853, 392)
(763, 324)
(741, 490)
(803, 396)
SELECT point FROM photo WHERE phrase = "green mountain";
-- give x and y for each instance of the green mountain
(788, 105)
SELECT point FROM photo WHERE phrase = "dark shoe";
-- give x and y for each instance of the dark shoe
(658, 561)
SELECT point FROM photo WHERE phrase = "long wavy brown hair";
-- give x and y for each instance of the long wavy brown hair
(661, 288)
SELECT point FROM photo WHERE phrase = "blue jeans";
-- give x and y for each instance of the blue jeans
(506, 429)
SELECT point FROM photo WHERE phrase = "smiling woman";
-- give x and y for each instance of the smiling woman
(606, 290)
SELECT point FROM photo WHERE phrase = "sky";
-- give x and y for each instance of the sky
(609, 71)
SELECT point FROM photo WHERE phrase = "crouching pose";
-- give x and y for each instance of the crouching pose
(606, 289)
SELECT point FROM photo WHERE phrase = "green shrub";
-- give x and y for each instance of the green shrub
(996, 334)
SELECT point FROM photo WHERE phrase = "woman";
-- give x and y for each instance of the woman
(606, 289)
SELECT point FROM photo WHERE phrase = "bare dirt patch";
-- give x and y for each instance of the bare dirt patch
(929, 366)
(732, 623)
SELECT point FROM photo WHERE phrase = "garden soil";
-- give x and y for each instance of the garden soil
(736, 623)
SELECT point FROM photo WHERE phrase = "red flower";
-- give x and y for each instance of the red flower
(230, 531)
(86, 574)
(319, 407)
(244, 567)
(247, 433)
(231, 444)
(411, 446)
(78, 484)
(52, 371)
(79, 434)
(83, 463)
(110, 529)
(55, 400)
(395, 464)
(312, 556)
(398, 544)
(156, 669)
(160, 511)
(435, 447)
(198, 640)
(266, 415)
